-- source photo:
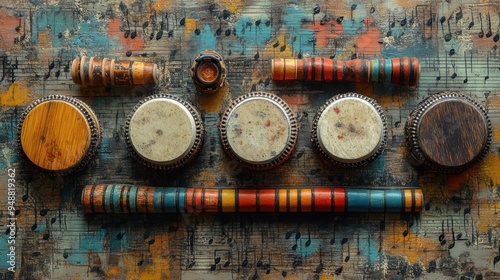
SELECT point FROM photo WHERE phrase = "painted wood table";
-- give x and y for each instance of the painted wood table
(47, 235)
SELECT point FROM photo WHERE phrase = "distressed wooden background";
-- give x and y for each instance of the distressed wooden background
(456, 237)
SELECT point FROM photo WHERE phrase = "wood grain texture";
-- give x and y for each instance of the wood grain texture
(56, 135)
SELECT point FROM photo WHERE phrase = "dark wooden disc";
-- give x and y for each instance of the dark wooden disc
(452, 133)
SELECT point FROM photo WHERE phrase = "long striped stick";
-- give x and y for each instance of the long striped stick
(402, 71)
(143, 199)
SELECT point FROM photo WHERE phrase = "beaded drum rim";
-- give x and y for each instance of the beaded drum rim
(411, 130)
(325, 155)
(217, 60)
(292, 137)
(90, 117)
(195, 148)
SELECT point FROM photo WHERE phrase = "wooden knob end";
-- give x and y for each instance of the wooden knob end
(164, 132)
(448, 132)
(349, 130)
(59, 133)
(258, 130)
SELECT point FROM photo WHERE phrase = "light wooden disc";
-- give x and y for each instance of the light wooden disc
(162, 131)
(55, 135)
(258, 130)
(350, 130)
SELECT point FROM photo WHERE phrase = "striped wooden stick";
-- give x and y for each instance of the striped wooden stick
(142, 199)
(402, 71)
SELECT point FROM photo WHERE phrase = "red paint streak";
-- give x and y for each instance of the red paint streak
(129, 44)
(52, 151)
(336, 110)
(340, 137)
(367, 42)
(323, 33)
(8, 24)
(455, 181)
(295, 100)
(268, 123)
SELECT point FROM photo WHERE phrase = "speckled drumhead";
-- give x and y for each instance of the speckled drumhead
(164, 131)
(259, 130)
(350, 130)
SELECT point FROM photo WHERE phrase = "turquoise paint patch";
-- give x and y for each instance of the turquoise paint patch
(89, 241)
(92, 240)
(205, 40)
(78, 258)
(418, 49)
(5, 249)
(306, 251)
(90, 34)
(304, 37)
(115, 244)
(41, 227)
(368, 249)
(251, 34)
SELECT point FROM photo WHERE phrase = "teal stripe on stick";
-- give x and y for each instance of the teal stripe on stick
(157, 200)
(182, 200)
(377, 203)
(394, 200)
(108, 199)
(116, 198)
(133, 199)
(357, 200)
(169, 200)
(388, 69)
(374, 74)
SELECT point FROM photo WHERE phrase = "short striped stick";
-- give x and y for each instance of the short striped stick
(402, 71)
(143, 199)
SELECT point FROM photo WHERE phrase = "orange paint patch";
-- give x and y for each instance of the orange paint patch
(136, 44)
(415, 248)
(368, 42)
(213, 102)
(326, 32)
(295, 100)
(17, 94)
(205, 179)
(162, 5)
(496, 133)
(366, 89)
(233, 5)
(156, 265)
(488, 216)
(113, 272)
(391, 101)
(44, 39)
(489, 167)
(8, 24)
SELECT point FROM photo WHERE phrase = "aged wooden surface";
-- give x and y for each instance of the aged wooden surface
(456, 236)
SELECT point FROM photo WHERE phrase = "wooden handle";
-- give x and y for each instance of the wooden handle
(402, 71)
(95, 71)
(142, 199)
